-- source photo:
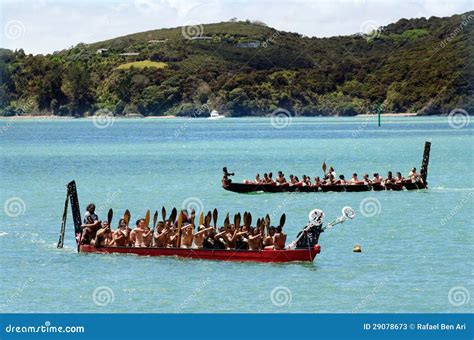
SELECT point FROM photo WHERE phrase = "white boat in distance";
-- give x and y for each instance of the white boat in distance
(215, 115)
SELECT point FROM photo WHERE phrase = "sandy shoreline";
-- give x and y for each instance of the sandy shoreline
(50, 117)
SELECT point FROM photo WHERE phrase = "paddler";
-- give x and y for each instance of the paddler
(255, 239)
(268, 239)
(377, 179)
(104, 236)
(120, 235)
(389, 179)
(161, 235)
(279, 239)
(201, 235)
(281, 178)
(399, 178)
(413, 175)
(354, 180)
(187, 236)
(91, 224)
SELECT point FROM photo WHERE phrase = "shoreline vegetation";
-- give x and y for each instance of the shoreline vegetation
(54, 117)
(242, 68)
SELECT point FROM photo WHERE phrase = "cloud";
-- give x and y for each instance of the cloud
(51, 25)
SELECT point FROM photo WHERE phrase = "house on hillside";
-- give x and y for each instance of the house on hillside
(157, 41)
(209, 39)
(102, 51)
(129, 54)
(249, 44)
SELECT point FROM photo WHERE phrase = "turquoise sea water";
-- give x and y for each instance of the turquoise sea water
(417, 248)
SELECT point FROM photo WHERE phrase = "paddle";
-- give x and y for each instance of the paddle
(155, 219)
(193, 216)
(201, 218)
(172, 219)
(163, 214)
(126, 217)
(207, 221)
(110, 215)
(180, 222)
(226, 222)
(214, 217)
(63, 223)
(324, 168)
(147, 218)
(282, 220)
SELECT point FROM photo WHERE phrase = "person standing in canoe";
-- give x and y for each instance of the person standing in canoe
(331, 172)
(91, 224)
(225, 178)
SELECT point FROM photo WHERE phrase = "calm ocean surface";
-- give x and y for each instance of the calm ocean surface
(417, 248)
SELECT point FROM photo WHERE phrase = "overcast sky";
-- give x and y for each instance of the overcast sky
(44, 26)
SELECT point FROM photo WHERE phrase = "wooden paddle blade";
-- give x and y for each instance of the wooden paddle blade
(226, 222)
(208, 219)
(126, 217)
(214, 217)
(147, 218)
(174, 212)
(324, 167)
(155, 218)
(237, 221)
(201, 218)
(163, 213)
(110, 215)
(282, 220)
(249, 219)
(267, 220)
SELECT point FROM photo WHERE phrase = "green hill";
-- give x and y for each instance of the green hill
(244, 68)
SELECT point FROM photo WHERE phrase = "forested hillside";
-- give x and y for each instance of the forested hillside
(244, 68)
